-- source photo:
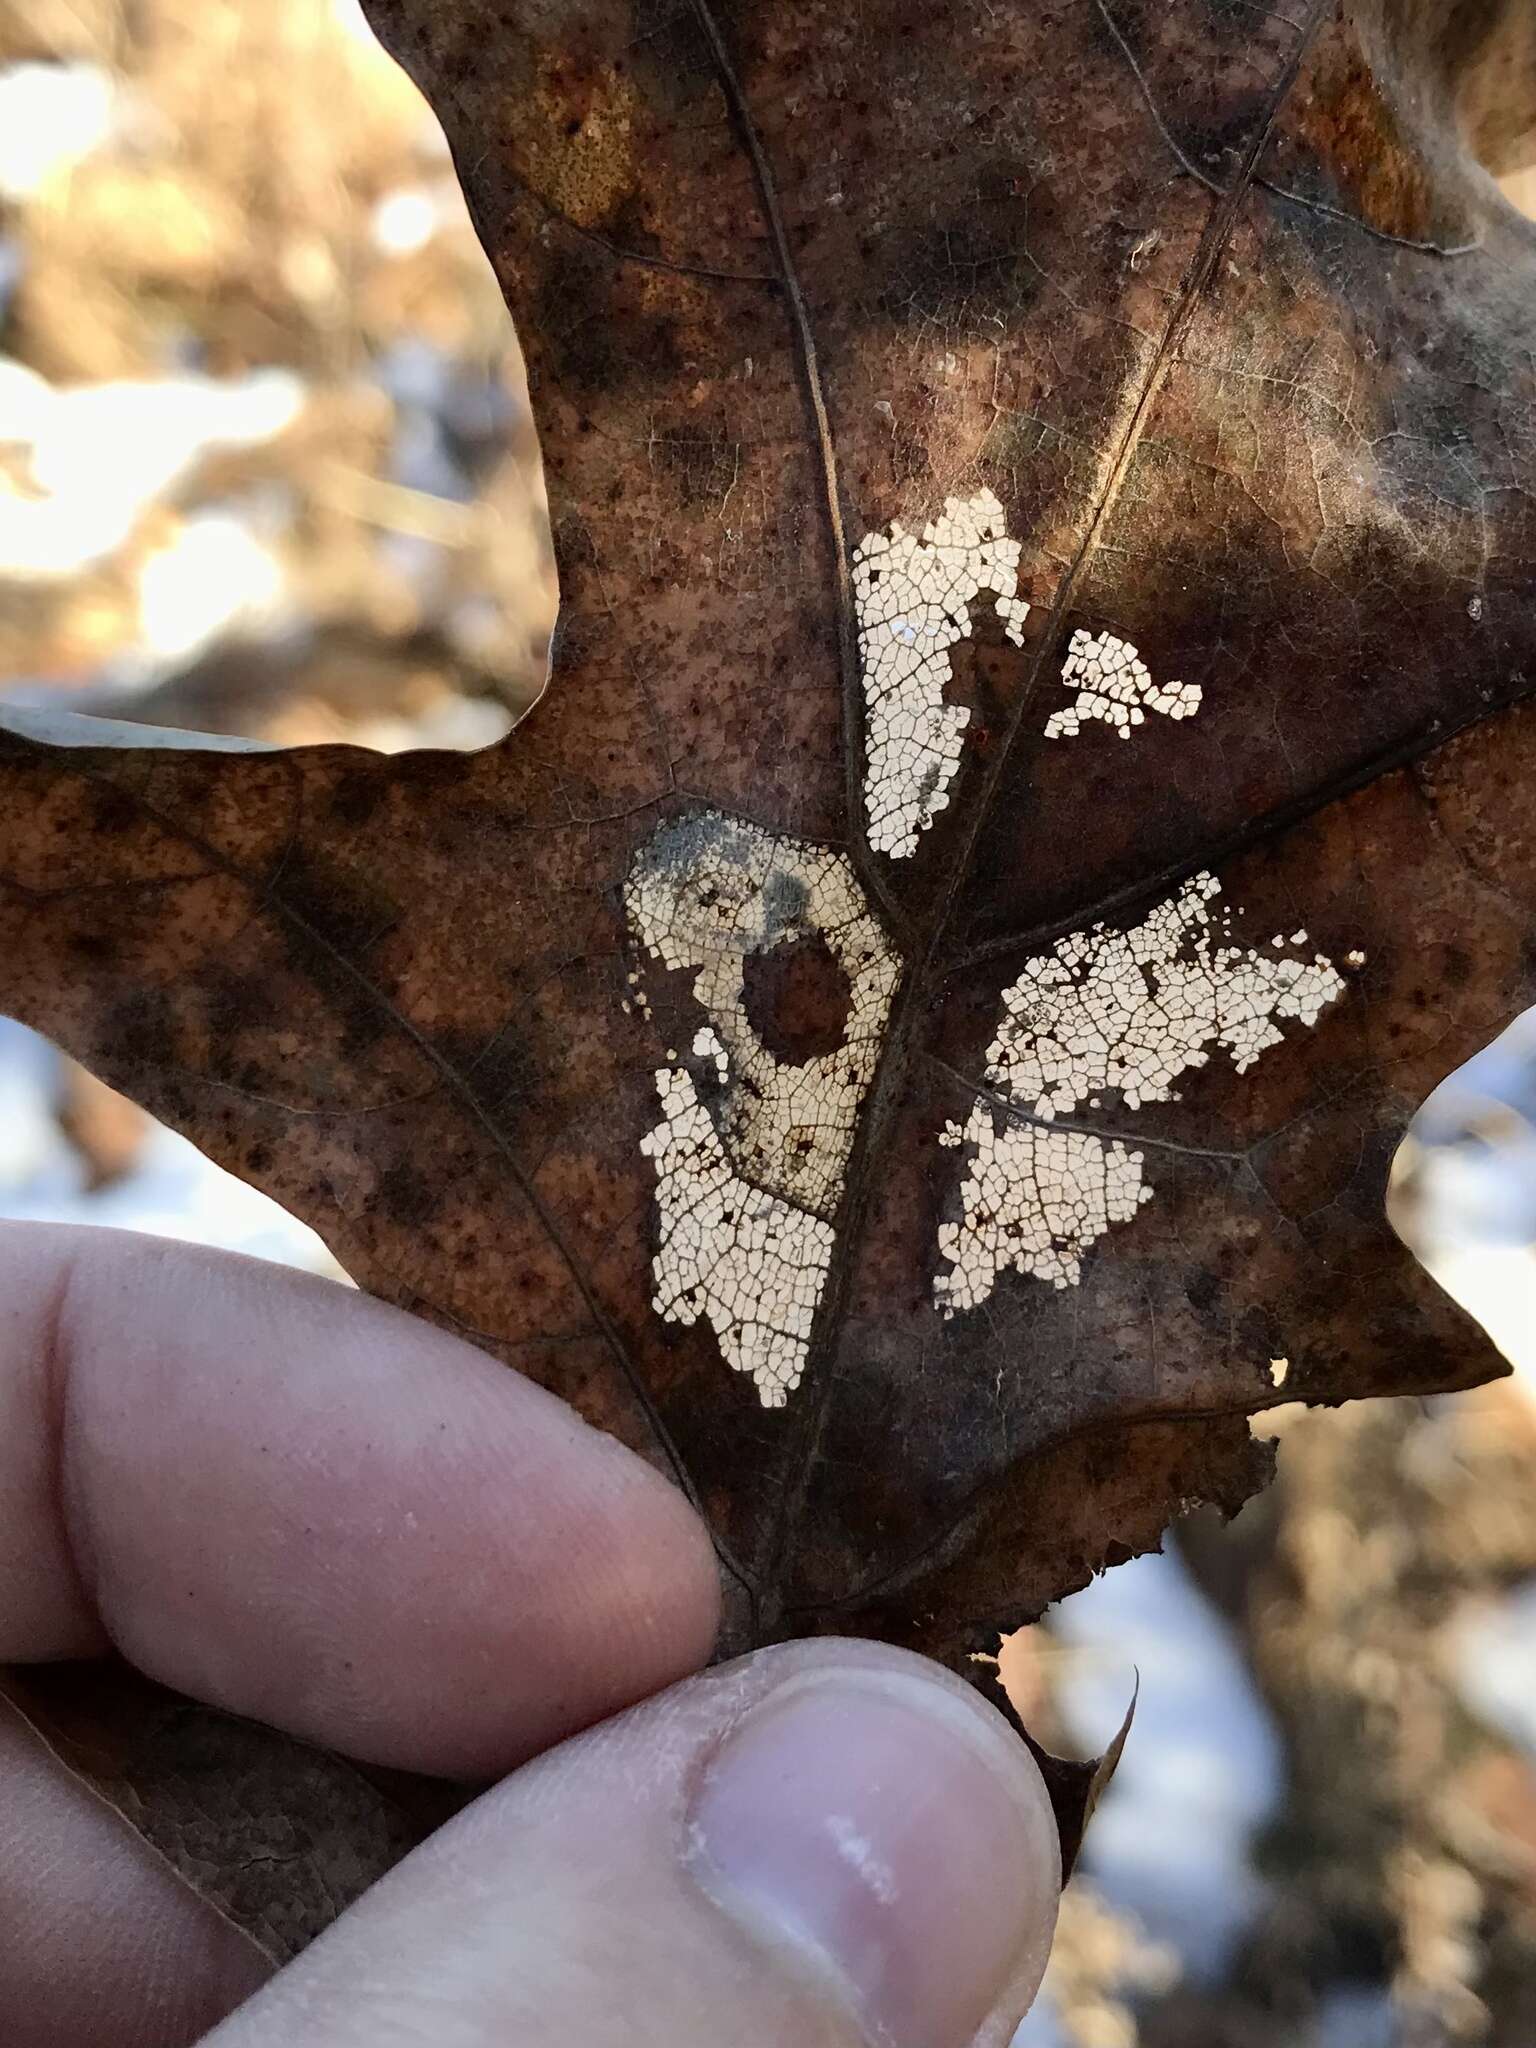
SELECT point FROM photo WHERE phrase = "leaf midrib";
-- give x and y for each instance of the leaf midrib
(810, 1416)
(803, 1442)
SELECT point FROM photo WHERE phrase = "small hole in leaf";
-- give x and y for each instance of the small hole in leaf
(798, 999)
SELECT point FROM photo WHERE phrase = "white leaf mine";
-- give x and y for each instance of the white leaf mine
(1113, 684)
(1104, 1012)
(1033, 1200)
(751, 1152)
(1131, 1011)
(754, 1265)
(913, 597)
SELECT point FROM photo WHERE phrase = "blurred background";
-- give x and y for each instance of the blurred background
(266, 460)
(267, 468)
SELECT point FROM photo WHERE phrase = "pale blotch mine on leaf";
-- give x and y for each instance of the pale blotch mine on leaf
(1034, 1200)
(755, 1266)
(1114, 684)
(913, 598)
(751, 1152)
(1122, 1012)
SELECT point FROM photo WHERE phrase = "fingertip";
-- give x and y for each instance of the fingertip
(295, 1502)
(95, 1923)
(828, 1843)
(875, 1814)
(685, 1575)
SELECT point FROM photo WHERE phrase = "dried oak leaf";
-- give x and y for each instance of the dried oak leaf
(910, 1031)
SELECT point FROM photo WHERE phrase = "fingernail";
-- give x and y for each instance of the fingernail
(895, 1836)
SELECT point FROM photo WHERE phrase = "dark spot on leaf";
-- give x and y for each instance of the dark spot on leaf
(1202, 1289)
(354, 796)
(332, 906)
(703, 466)
(608, 343)
(937, 274)
(235, 1001)
(366, 1020)
(1233, 17)
(798, 999)
(498, 1070)
(139, 1029)
(113, 810)
(94, 949)
(405, 1193)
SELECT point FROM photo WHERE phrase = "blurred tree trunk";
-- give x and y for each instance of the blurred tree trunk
(1406, 1850)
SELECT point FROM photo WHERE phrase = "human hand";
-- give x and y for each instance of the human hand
(300, 1505)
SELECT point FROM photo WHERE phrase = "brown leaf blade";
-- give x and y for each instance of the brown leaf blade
(1076, 1785)
(277, 1836)
(1214, 310)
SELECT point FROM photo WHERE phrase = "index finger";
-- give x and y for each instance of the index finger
(297, 1503)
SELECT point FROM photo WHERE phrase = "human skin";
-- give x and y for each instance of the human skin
(298, 1504)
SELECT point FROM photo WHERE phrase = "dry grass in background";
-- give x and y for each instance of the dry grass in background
(355, 545)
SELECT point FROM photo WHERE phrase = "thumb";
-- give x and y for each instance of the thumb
(823, 1845)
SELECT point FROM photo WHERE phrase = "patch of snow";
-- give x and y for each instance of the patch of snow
(1494, 1659)
(1355, 2016)
(1201, 1772)
(52, 116)
(404, 220)
(93, 458)
(1040, 2027)
(212, 576)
